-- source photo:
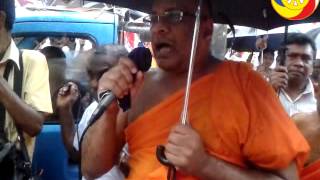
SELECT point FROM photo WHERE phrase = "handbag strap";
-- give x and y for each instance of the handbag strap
(17, 87)
(18, 74)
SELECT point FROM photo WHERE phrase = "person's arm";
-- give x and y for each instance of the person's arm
(103, 141)
(29, 112)
(24, 116)
(218, 169)
(186, 151)
(100, 147)
(68, 133)
(66, 98)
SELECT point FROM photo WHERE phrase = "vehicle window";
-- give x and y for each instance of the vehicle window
(63, 62)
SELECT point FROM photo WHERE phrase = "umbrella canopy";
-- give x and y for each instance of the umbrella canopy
(315, 35)
(252, 13)
(248, 43)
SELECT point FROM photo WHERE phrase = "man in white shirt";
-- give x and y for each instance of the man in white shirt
(292, 80)
(98, 62)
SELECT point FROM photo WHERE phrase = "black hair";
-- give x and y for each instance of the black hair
(208, 4)
(8, 7)
(53, 52)
(266, 51)
(301, 39)
(105, 57)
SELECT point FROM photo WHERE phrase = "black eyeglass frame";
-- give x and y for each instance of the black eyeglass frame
(173, 17)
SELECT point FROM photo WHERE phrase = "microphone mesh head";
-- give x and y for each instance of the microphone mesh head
(142, 57)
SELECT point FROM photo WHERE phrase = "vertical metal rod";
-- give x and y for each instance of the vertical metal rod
(286, 30)
(184, 114)
(282, 60)
(261, 56)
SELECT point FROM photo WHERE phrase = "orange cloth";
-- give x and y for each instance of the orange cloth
(237, 115)
(311, 172)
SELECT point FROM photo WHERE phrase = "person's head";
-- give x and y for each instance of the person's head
(7, 18)
(316, 71)
(171, 34)
(299, 55)
(7, 14)
(57, 66)
(101, 60)
(52, 52)
(268, 57)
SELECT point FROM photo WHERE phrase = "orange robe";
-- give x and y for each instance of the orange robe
(236, 113)
(311, 172)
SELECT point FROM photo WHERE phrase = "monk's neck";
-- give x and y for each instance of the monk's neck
(199, 70)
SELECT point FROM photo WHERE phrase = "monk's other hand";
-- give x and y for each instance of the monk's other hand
(185, 150)
(279, 78)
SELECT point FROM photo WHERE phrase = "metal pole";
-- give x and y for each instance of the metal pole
(184, 114)
(282, 60)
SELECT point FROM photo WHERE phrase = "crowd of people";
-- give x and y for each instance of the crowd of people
(242, 124)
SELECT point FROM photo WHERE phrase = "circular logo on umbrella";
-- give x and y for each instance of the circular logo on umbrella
(295, 9)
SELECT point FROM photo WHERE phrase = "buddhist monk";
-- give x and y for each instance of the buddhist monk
(237, 127)
(309, 125)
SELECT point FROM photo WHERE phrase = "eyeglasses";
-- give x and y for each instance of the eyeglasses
(172, 17)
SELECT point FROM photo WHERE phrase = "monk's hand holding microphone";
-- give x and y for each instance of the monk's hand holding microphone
(122, 80)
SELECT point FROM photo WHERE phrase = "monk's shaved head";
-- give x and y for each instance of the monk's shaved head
(180, 3)
(189, 6)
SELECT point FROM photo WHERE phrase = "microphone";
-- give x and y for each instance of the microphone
(141, 57)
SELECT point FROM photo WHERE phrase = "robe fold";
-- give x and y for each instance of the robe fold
(311, 172)
(237, 115)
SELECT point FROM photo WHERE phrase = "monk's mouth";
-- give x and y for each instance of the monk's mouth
(163, 48)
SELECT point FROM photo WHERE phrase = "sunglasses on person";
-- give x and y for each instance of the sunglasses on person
(171, 17)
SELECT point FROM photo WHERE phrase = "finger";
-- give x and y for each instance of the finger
(278, 74)
(178, 139)
(74, 91)
(124, 86)
(64, 90)
(112, 86)
(120, 74)
(139, 78)
(72, 84)
(279, 78)
(283, 76)
(281, 85)
(138, 82)
(182, 129)
(176, 160)
(61, 92)
(125, 71)
(129, 63)
(281, 69)
(173, 149)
